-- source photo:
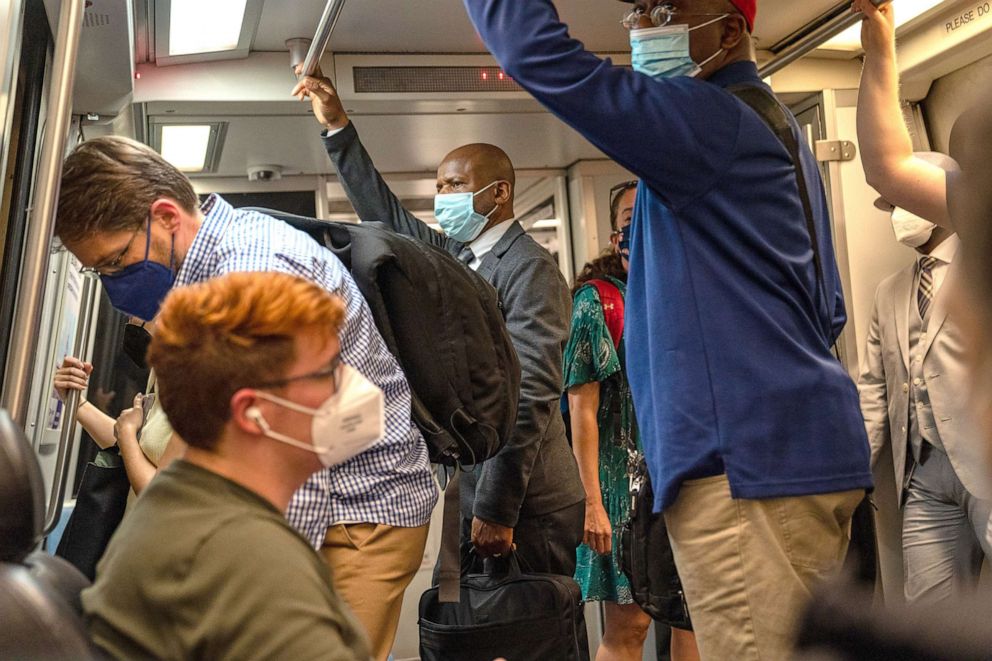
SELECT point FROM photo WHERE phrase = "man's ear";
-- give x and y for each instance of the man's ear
(245, 414)
(734, 31)
(504, 191)
(168, 213)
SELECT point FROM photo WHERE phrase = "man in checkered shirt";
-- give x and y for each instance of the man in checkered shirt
(134, 219)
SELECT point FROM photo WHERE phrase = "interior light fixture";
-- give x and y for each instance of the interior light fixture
(906, 11)
(191, 148)
(197, 26)
(203, 30)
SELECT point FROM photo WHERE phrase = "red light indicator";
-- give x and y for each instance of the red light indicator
(501, 76)
(137, 75)
(485, 75)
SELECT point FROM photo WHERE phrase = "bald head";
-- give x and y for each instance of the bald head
(487, 161)
(483, 169)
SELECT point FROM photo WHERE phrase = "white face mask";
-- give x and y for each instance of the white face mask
(345, 425)
(911, 230)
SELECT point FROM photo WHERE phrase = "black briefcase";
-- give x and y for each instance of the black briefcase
(506, 613)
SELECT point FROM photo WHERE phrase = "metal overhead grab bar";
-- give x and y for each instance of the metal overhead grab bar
(809, 42)
(31, 288)
(323, 35)
(838, 19)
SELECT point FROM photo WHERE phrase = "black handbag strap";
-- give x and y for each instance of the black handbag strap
(775, 116)
(450, 571)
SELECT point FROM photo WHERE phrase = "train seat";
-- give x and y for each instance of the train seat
(40, 609)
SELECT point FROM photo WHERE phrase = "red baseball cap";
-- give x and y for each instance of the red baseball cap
(748, 8)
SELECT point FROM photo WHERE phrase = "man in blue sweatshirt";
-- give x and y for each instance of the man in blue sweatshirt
(751, 427)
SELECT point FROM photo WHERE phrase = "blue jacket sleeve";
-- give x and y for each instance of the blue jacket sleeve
(678, 134)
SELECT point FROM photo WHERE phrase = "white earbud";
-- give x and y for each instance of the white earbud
(255, 414)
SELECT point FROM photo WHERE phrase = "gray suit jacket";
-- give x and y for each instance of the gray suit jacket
(535, 473)
(884, 385)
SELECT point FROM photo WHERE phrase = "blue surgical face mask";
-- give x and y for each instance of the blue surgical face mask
(139, 289)
(457, 215)
(663, 52)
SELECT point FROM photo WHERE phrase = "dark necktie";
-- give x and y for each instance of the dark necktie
(924, 295)
(466, 256)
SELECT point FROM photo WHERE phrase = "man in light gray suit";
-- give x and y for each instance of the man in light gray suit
(914, 395)
(529, 495)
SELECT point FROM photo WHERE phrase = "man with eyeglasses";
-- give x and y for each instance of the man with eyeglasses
(134, 219)
(529, 496)
(206, 565)
(751, 427)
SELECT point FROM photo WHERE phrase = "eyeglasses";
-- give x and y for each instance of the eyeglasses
(659, 16)
(114, 266)
(329, 372)
(620, 189)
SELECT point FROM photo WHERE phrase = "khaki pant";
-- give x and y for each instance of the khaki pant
(747, 566)
(372, 565)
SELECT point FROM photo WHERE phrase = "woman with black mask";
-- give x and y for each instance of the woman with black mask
(605, 438)
(145, 441)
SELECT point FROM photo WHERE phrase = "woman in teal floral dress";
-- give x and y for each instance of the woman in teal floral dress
(605, 441)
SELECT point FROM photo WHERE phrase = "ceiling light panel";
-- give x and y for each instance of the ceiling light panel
(203, 30)
(191, 148)
(196, 26)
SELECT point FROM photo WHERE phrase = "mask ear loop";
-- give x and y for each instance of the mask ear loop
(498, 205)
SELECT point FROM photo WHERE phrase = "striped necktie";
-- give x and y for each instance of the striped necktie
(466, 256)
(924, 295)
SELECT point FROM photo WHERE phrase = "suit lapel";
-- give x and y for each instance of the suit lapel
(941, 303)
(901, 301)
(489, 263)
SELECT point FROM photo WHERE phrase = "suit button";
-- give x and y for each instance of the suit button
(917, 381)
(905, 388)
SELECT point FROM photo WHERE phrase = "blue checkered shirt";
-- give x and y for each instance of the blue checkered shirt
(390, 483)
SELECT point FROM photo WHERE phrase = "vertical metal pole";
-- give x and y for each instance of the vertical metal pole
(67, 437)
(31, 289)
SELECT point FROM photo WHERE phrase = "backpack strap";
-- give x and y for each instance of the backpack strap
(775, 116)
(612, 301)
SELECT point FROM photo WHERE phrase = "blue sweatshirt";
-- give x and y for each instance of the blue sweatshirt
(728, 342)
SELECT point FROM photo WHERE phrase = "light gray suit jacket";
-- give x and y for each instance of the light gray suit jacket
(535, 473)
(884, 384)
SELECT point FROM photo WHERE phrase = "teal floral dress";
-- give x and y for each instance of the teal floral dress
(590, 356)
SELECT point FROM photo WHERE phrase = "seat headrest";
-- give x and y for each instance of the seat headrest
(37, 623)
(22, 492)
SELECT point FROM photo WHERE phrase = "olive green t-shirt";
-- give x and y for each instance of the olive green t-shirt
(203, 568)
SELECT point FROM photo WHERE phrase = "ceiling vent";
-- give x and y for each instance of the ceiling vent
(431, 79)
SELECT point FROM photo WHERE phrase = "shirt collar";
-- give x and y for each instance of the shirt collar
(944, 253)
(483, 245)
(217, 216)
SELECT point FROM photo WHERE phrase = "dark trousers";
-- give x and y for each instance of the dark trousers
(545, 543)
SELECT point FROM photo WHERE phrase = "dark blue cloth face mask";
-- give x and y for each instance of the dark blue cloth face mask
(624, 243)
(139, 289)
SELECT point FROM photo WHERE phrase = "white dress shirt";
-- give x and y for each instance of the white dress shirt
(484, 245)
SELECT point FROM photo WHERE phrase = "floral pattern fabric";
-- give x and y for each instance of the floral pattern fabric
(590, 356)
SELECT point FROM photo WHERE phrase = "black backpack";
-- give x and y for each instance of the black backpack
(444, 325)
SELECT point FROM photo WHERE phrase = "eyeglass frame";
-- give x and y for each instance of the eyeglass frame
(330, 370)
(620, 189)
(115, 265)
(631, 18)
